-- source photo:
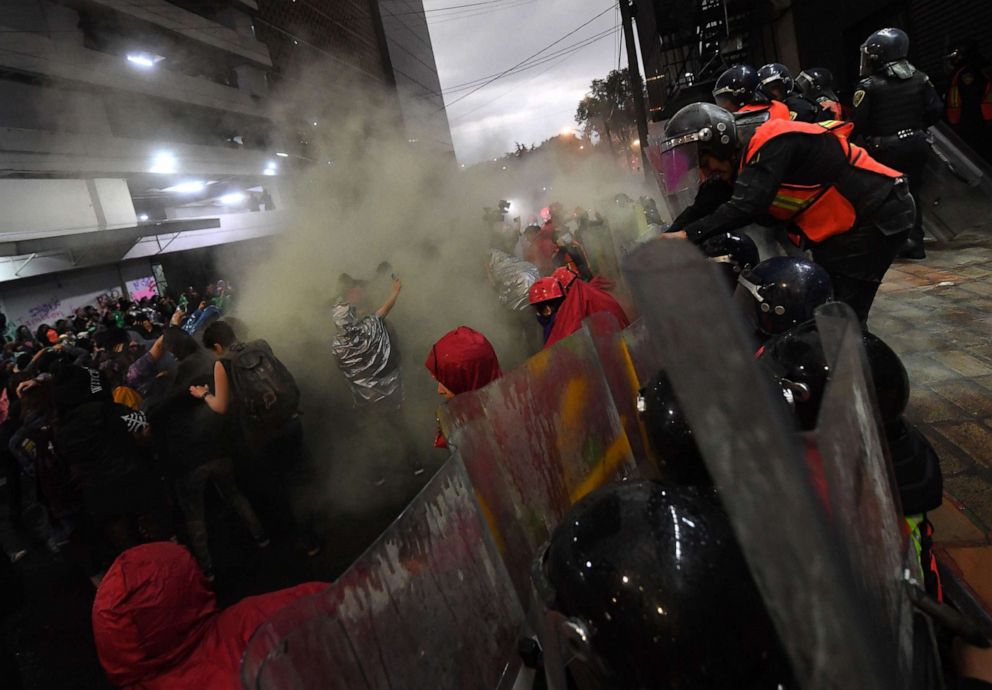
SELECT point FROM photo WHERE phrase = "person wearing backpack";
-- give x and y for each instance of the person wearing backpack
(251, 384)
(195, 445)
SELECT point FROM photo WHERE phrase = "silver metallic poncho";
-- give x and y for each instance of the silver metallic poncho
(512, 278)
(363, 352)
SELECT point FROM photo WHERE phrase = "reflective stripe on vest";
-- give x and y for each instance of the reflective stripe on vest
(819, 211)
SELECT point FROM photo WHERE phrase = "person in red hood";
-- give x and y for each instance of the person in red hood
(157, 626)
(461, 361)
(562, 303)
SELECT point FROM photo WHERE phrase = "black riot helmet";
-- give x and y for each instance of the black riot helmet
(782, 292)
(669, 433)
(890, 377)
(646, 588)
(695, 132)
(775, 80)
(881, 48)
(737, 87)
(733, 252)
(798, 363)
(815, 81)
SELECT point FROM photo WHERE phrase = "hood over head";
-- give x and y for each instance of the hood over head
(150, 612)
(463, 360)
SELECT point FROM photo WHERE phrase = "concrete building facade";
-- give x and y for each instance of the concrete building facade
(133, 128)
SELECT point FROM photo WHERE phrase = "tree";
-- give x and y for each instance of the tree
(608, 111)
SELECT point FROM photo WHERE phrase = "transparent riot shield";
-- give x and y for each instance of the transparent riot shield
(621, 376)
(956, 187)
(798, 550)
(429, 605)
(861, 490)
(534, 442)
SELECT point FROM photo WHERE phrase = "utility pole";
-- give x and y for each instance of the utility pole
(636, 85)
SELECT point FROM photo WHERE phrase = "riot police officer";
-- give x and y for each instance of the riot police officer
(777, 83)
(817, 85)
(738, 91)
(893, 106)
(852, 212)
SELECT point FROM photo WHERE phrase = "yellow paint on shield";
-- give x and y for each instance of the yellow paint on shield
(615, 455)
(487, 513)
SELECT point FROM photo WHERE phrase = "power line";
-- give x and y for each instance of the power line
(550, 45)
(536, 63)
(514, 88)
(447, 19)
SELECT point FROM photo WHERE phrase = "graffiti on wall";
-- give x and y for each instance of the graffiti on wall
(140, 288)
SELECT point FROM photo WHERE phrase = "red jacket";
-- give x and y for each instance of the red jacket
(581, 301)
(157, 626)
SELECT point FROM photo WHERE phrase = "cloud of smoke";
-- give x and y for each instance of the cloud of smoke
(382, 198)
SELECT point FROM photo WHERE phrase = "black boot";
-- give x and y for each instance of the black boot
(913, 249)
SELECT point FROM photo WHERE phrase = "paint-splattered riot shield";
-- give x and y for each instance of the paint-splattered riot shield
(618, 366)
(861, 491)
(429, 605)
(815, 516)
(534, 442)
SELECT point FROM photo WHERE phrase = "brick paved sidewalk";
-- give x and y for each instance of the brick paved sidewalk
(937, 315)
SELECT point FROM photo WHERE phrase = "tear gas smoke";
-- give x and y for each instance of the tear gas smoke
(385, 199)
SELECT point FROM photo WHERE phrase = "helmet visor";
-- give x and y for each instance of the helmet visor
(678, 174)
(866, 63)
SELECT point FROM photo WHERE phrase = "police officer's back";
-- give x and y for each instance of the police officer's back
(894, 104)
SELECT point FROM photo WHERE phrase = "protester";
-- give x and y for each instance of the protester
(562, 306)
(157, 625)
(462, 360)
(260, 394)
(196, 446)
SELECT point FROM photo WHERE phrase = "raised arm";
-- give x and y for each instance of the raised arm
(390, 302)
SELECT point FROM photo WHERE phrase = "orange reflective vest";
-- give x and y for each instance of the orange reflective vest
(819, 211)
(954, 105)
(777, 110)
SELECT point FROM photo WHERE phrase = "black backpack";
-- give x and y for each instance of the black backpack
(265, 392)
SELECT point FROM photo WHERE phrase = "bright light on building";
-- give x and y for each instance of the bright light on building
(233, 198)
(144, 60)
(270, 168)
(567, 131)
(282, 155)
(143, 217)
(582, 148)
(636, 142)
(164, 162)
(188, 187)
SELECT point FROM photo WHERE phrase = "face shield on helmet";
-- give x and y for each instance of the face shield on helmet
(680, 174)
(867, 65)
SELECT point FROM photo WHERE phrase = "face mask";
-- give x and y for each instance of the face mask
(545, 320)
